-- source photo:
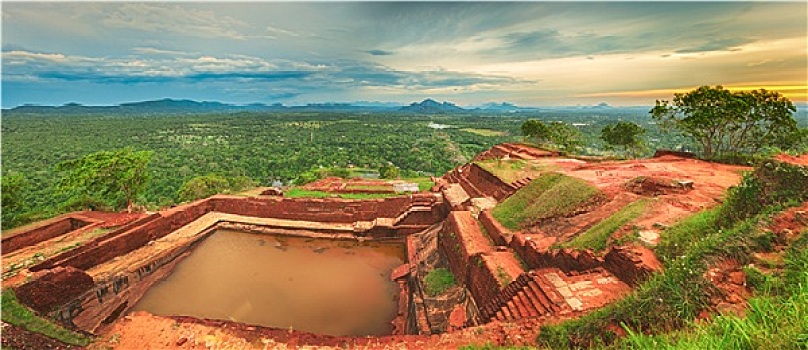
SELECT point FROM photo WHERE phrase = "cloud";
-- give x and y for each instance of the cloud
(235, 69)
(380, 52)
(275, 31)
(175, 19)
(154, 51)
(716, 44)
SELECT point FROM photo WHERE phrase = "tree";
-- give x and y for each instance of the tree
(240, 183)
(566, 136)
(725, 122)
(624, 134)
(203, 186)
(109, 174)
(13, 203)
(537, 130)
(389, 171)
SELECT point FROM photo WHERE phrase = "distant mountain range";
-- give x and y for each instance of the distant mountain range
(173, 106)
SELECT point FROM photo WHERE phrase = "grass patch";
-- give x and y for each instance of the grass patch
(302, 193)
(512, 170)
(550, 195)
(776, 317)
(438, 281)
(424, 183)
(21, 316)
(489, 346)
(377, 188)
(597, 236)
(503, 276)
(484, 132)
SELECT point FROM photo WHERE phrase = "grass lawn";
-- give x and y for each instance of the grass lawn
(550, 195)
(597, 236)
(514, 169)
(485, 132)
(301, 193)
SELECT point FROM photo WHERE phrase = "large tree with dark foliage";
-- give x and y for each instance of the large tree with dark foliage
(725, 122)
(107, 174)
(624, 134)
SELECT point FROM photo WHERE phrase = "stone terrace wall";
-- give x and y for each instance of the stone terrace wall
(98, 252)
(488, 183)
(461, 239)
(632, 265)
(56, 260)
(490, 273)
(311, 209)
(501, 235)
(56, 227)
(565, 259)
(478, 182)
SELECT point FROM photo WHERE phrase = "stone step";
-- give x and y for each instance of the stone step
(539, 301)
(541, 296)
(531, 310)
(525, 309)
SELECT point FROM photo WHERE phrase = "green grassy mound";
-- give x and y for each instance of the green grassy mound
(596, 237)
(550, 195)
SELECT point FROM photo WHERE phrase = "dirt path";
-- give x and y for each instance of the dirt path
(144, 331)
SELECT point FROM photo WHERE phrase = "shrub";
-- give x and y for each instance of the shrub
(438, 281)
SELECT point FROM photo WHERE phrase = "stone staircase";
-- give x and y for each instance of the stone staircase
(529, 296)
(521, 182)
(551, 291)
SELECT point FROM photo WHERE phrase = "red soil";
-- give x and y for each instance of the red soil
(730, 280)
(18, 338)
(132, 331)
(790, 222)
(798, 160)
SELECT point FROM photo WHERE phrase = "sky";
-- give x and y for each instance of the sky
(469, 53)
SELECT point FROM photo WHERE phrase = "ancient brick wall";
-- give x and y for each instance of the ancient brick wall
(58, 259)
(134, 238)
(565, 259)
(312, 209)
(461, 239)
(631, 265)
(489, 274)
(56, 228)
(501, 235)
(488, 184)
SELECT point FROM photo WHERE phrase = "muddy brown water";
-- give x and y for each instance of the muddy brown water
(316, 285)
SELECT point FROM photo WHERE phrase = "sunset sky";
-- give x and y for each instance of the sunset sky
(528, 53)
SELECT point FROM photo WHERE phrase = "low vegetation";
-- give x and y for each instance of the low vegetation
(514, 169)
(597, 237)
(21, 316)
(484, 132)
(671, 300)
(438, 281)
(302, 193)
(550, 195)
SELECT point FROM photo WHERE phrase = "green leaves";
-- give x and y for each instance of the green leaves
(565, 136)
(13, 204)
(624, 134)
(203, 186)
(726, 122)
(107, 174)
